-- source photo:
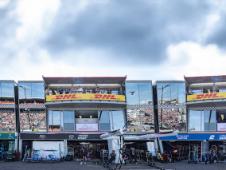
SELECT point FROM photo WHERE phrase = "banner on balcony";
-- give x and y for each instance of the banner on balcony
(206, 96)
(85, 97)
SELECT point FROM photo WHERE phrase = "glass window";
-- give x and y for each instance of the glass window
(24, 90)
(195, 120)
(202, 120)
(69, 117)
(138, 93)
(69, 120)
(104, 121)
(56, 118)
(171, 92)
(140, 114)
(29, 90)
(171, 105)
(6, 89)
(118, 121)
(210, 120)
(50, 117)
(38, 90)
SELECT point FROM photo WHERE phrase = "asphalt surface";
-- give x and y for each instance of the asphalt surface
(91, 166)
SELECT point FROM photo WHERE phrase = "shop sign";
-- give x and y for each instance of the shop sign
(82, 137)
(7, 136)
(194, 137)
(87, 127)
(85, 97)
(182, 137)
(71, 137)
(222, 137)
(206, 96)
(221, 127)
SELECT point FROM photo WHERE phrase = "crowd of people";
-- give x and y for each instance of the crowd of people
(33, 120)
(7, 120)
(82, 90)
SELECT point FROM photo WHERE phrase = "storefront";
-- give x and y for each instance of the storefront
(7, 143)
(197, 143)
(70, 143)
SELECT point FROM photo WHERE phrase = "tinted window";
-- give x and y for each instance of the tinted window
(6, 89)
(104, 121)
(31, 90)
(140, 113)
(171, 106)
(118, 121)
(202, 120)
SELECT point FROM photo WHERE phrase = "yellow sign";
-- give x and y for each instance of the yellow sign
(85, 97)
(206, 96)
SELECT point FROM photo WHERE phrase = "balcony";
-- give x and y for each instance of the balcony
(207, 99)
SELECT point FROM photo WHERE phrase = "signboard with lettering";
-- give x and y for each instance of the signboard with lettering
(85, 97)
(221, 127)
(206, 96)
(7, 136)
(195, 137)
(87, 127)
(59, 136)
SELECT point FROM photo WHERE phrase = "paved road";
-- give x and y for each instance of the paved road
(91, 166)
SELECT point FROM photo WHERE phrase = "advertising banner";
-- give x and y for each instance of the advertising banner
(195, 137)
(86, 127)
(85, 97)
(206, 96)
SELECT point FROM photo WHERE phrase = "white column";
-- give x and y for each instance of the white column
(114, 144)
(65, 147)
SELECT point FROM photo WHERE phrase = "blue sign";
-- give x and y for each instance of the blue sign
(195, 137)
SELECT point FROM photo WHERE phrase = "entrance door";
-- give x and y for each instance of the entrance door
(92, 149)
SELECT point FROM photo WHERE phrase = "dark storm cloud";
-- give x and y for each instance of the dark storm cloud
(8, 25)
(7, 21)
(218, 35)
(135, 31)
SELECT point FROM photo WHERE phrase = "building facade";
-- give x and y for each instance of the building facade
(78, 111)
(71, 113)
(206, 108)
(7, 116)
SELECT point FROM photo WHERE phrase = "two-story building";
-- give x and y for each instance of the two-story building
(206, 107)
(206, 118)
(79, 110)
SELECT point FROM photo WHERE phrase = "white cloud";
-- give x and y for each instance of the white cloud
(193, 59)
(3, 3)
(34, 17)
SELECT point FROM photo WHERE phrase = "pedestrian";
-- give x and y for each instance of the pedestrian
(84, 156)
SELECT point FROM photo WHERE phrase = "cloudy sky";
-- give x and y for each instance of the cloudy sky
(143, 39)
